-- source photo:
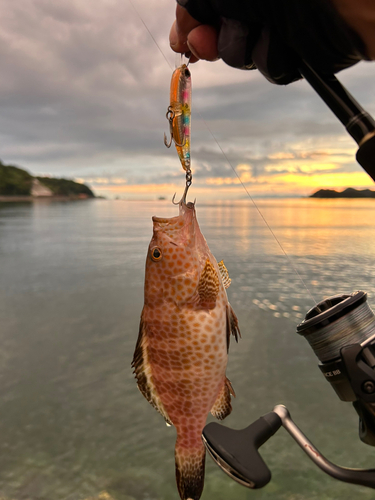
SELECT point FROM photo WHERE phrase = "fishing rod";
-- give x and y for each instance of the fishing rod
(358, 122)
(341, 332)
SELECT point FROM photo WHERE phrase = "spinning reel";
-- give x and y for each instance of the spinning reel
(341, 332)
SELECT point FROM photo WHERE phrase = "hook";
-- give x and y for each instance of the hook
(189, 179)
(168, 144)
(183, 199)
(170, 115)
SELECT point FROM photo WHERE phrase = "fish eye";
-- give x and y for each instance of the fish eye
(156, 254)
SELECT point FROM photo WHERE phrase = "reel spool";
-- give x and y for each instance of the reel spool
(341, 332)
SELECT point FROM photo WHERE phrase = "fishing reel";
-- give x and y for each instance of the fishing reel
(341, 332)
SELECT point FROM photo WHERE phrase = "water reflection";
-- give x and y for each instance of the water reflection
(73, 422)
(303, 227)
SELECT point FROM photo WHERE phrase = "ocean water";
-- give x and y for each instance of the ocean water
(73, 424)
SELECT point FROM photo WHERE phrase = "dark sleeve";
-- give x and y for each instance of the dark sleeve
(283, 32)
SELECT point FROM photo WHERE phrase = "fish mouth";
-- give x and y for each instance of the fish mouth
(185, 209)
(165, 220)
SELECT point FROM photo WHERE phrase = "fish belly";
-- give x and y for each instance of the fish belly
(188, 358)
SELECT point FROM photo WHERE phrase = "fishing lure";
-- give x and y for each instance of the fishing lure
(179, 114)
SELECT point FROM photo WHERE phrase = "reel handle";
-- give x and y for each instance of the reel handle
(236, 451)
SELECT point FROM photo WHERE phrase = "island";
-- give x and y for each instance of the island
(16, 184)
(347, 193)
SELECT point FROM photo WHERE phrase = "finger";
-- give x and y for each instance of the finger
(202, 42)
(180, 29)
(180, 48)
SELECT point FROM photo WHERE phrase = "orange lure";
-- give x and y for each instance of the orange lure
(179, 114)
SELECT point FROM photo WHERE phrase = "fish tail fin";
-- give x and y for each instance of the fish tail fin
(190, 470)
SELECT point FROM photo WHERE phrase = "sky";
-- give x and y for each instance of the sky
(84, 89)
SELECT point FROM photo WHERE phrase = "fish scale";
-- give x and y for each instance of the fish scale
(182, 349)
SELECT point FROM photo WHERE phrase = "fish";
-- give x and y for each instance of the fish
(181, 353)
(179, 114)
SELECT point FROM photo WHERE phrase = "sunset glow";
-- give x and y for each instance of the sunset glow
(287, 178)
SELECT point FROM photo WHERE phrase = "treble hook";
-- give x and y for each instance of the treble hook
(189, 180)
(170, 115)
(183, 199)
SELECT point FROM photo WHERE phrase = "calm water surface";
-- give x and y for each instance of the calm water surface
(73, 424)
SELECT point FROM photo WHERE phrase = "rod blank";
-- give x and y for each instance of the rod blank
(358, 122)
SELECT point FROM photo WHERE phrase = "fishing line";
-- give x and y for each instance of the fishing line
(151, 35)
(234, 170)
(261, 214)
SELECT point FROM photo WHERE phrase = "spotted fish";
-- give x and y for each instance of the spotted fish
(181, 353)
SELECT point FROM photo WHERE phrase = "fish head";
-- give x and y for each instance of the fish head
(172, 265)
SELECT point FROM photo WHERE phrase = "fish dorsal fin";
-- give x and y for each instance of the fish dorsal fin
(222, 406)
(208, 286)
(143, 374)
(224, 274)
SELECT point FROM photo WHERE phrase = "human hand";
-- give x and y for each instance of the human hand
(189, 35)
(271, 35)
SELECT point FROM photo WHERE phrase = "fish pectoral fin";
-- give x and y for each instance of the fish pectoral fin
(208, 286)
(223, 407)
(142, 371)
(224, 274)
(232, 325)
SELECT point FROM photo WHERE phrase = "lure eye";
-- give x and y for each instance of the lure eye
(156, 254)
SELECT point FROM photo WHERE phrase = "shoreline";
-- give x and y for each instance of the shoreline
(15, 199)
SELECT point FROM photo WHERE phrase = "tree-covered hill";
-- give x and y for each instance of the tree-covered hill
(65, 187)
(347, 193)
(15, 181)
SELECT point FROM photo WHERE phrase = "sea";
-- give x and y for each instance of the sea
(73, 424)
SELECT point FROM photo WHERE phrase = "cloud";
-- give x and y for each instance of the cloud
(84, 92)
